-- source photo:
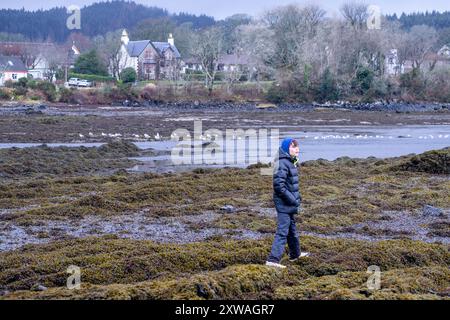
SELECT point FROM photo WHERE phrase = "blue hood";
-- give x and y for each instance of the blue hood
(285, 145)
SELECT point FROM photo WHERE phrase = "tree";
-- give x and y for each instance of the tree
(90, 63)
(56, 58)
(328, 88)
(207, 46)
(108, 48)
(256, 40)
(128, 75)
(292, 26)
(183, 35)
(444, 37)
(229, 28)
(154, 29)
(313, 16)
(355, 13)
(417, 43)
(363, 80)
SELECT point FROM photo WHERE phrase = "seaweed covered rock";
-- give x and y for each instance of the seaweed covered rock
(409, 283)
(239, 281)
(434, 162)
(44, 160)
(120, 147)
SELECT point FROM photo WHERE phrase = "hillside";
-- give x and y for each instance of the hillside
(96, 19)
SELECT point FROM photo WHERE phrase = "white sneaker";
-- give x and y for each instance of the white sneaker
(274, 264)
(302, 255)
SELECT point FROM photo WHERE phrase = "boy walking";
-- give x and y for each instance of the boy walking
(287, 201)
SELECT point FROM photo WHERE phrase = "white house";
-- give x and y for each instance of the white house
(41, 57)
(444, 51)
(11, 68)
(393, 67)
(41, 66)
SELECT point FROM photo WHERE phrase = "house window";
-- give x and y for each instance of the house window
(148, 54)
(14, 76)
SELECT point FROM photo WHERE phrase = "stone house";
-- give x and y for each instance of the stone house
(151, 60)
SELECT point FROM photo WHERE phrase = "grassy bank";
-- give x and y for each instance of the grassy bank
(285, 91)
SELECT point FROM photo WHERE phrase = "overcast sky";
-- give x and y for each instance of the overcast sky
(225, 8)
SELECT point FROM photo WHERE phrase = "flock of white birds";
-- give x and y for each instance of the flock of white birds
(365, 137)
(208, 137)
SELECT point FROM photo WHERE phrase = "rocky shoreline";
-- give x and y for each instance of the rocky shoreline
(380, 106)
(375, 106)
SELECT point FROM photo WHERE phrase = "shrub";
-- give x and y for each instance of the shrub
(48, 89)
(276, 94)
(66, 95)
(327, 87)
(438, 85)
(219, 76)
(413, 82)
(22, 82)
(32, 84)
(149, 93)
(4, 95)
(20, 91)
(363, 80)
(128, 75)
(8, 84)
(90, 63)
(124, 91)
(194, 76)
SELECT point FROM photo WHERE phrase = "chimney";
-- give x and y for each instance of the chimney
(75, 49)
(125, 39)
(171, 40)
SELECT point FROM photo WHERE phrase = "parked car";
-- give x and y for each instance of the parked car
(74, 82)
(85, 83)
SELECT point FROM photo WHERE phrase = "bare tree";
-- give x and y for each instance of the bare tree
(355, 13)
(256, 41)
(31, 54)
(56, 58)
(416, 44)
(207, 48)
(313, 16)
(109, 49)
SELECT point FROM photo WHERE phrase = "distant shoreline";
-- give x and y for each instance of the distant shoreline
(239, 106)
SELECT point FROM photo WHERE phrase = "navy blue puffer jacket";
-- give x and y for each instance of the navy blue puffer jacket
(286, 194)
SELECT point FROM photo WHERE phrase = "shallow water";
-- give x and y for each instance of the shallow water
(316, 142)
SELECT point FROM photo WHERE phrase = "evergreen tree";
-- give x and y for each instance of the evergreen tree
(90, 63)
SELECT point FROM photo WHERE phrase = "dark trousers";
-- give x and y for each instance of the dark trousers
(286, 232)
